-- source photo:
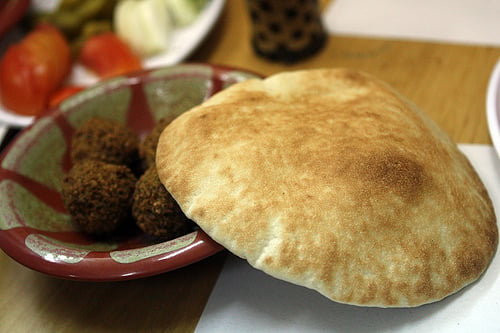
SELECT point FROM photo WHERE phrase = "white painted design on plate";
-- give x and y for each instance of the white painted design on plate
(51, 251)
(133, 255)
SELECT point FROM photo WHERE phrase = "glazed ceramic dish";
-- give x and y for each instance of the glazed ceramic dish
(35, 228)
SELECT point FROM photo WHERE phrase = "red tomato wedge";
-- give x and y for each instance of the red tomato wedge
(31, 70)
(107, 55)
(63, 93)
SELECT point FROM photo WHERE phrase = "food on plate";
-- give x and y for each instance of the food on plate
(155, 211)
(147, 148)
(107, 55)
(107, 37)
(145, 25)
(152, 20)
(98, 195)
(105, 140)
(98, 145)
(31, 70)
(62, 93)
(332, 180)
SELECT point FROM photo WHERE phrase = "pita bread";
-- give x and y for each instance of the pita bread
(331, 180)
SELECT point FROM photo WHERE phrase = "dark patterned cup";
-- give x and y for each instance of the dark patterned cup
(286, 30)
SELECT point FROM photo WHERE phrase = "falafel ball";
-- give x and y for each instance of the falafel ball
(147, 148)
(155, 211)
(98, 195)
(105, 140)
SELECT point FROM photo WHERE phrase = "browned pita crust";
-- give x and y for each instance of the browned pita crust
(331, 180)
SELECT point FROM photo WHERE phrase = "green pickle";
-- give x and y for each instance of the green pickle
(79, 19)
(89, 29)
(68, 4)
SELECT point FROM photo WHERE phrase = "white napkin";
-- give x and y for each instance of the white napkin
(247, 300)
(456, 21)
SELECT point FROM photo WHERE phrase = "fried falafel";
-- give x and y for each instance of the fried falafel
(98, 195)
(105, 140)
(155, 211)
(147, 148)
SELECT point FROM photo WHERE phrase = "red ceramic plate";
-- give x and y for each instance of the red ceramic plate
(35, 228)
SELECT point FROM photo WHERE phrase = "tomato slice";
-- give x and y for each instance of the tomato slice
(21, 89)
(33, 69)
(107, 56)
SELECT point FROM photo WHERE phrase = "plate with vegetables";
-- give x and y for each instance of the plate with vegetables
(77, 43)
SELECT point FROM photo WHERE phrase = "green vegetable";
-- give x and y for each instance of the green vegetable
(144, 25)
(185, 11)
(72, 15)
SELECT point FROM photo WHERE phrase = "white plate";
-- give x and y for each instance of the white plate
(493, 107)
(184, 41)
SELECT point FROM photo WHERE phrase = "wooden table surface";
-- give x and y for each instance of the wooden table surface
(447, 81)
